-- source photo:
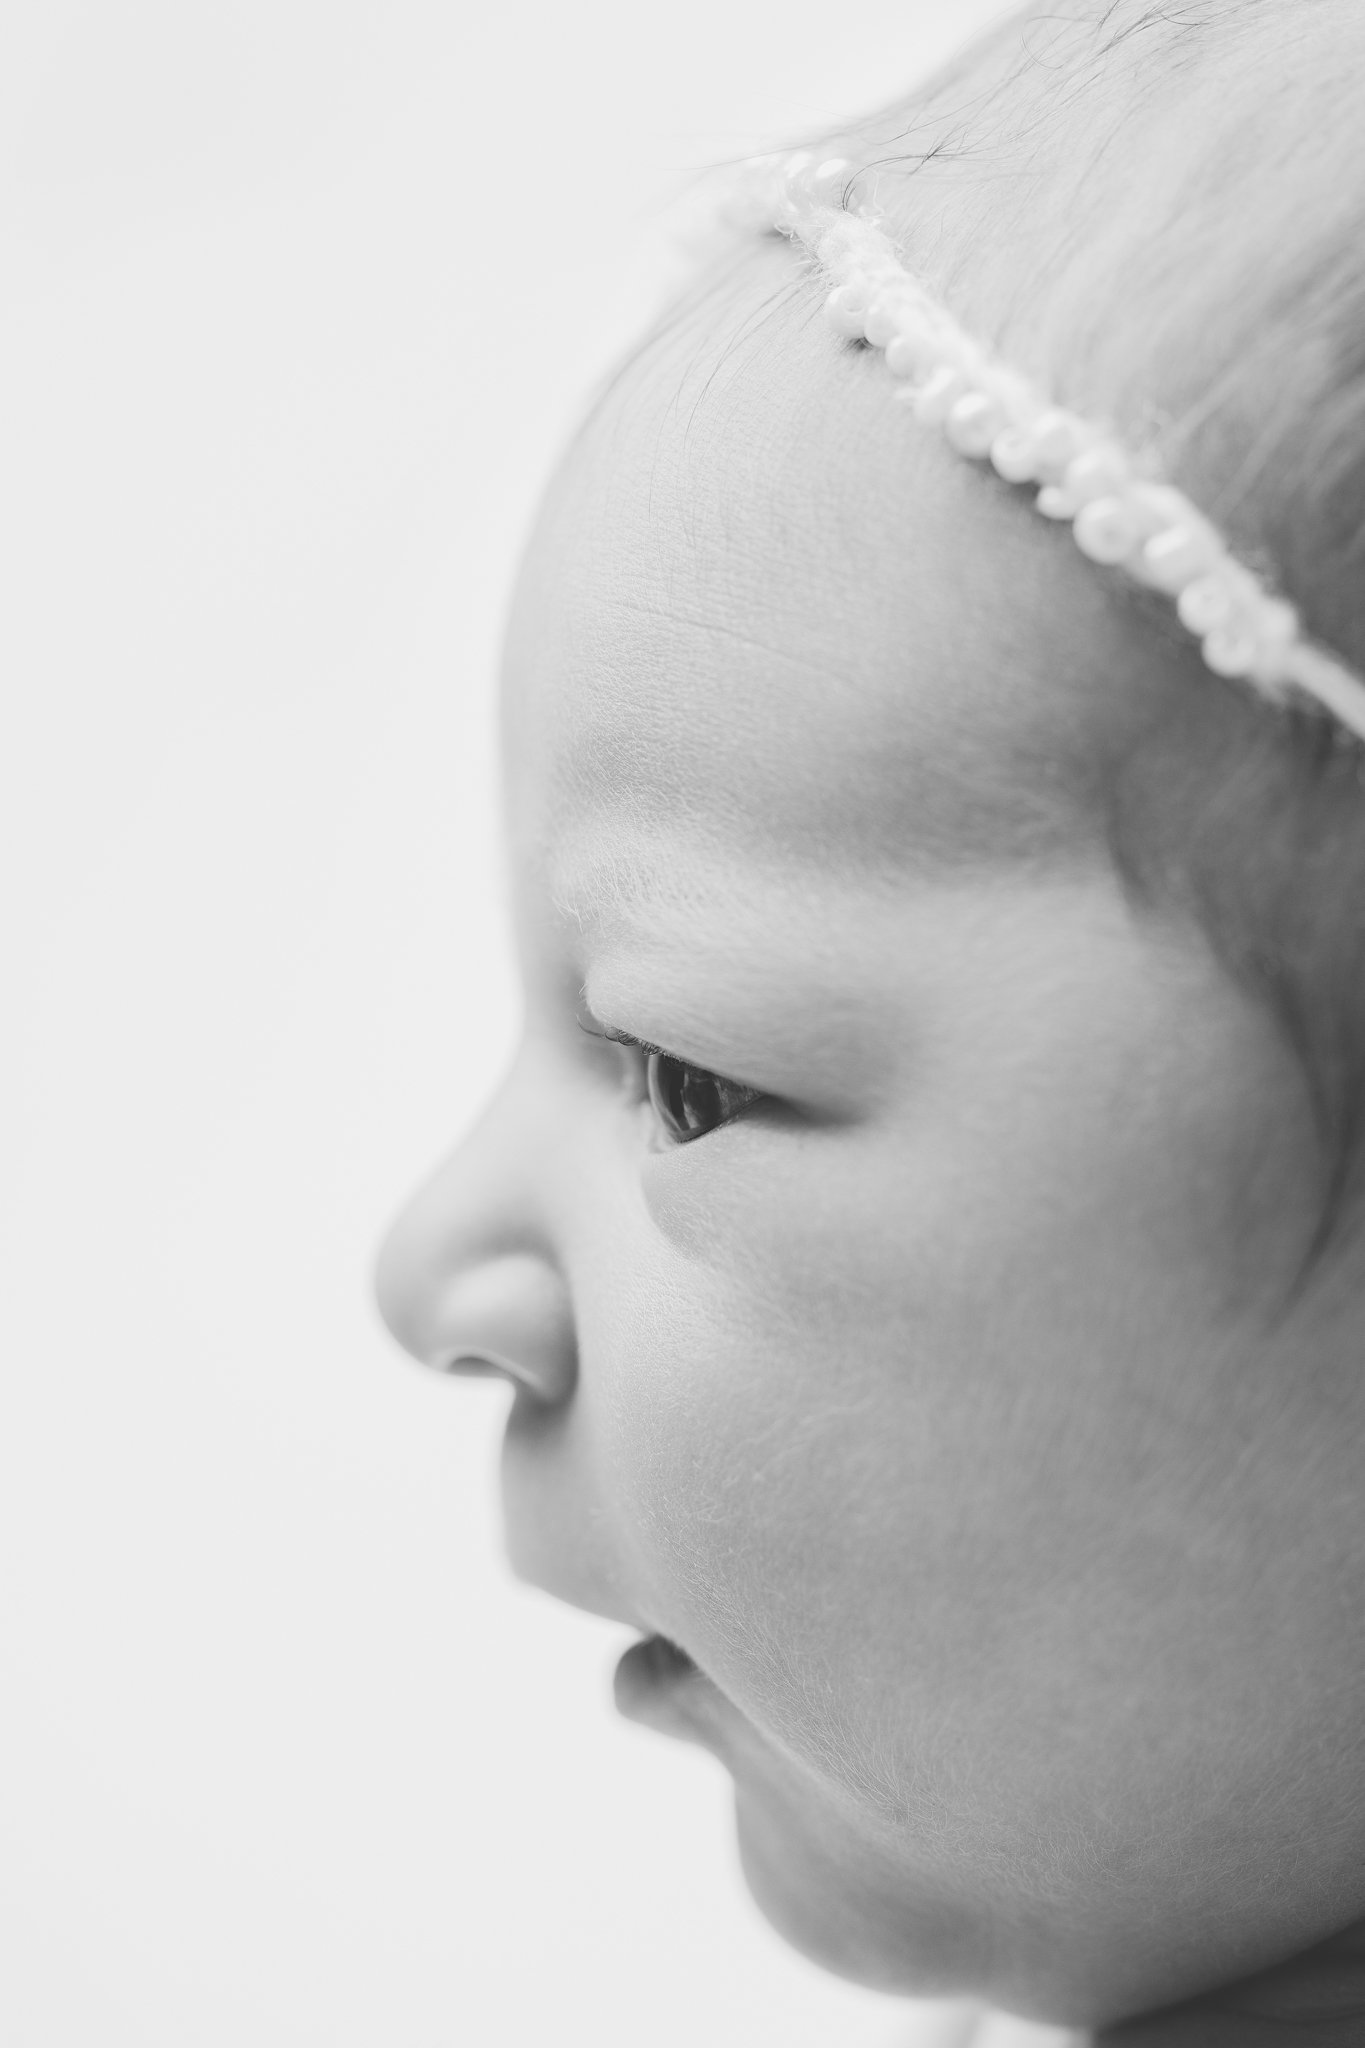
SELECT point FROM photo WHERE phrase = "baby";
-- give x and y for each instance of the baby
(922, 1224)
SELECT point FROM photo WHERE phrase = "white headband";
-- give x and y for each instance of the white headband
(1121, 514)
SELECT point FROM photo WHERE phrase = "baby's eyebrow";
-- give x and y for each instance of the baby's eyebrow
(591, 888)
(608, 879)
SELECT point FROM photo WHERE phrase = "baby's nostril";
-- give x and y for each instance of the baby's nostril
(474, 1365)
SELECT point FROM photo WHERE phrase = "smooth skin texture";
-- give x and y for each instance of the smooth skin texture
(943, 1404)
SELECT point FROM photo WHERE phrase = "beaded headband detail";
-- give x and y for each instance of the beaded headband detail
(1120, 514)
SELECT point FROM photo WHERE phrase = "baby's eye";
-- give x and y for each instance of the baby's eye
(688, 1100)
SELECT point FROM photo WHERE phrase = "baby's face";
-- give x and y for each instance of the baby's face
(898, 1341)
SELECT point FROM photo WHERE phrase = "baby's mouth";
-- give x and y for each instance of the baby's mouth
(658, 1685)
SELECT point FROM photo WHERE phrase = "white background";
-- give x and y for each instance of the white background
(301, 299)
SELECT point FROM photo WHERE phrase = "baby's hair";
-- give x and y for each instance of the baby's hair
(1158, 213)
(1122, 514)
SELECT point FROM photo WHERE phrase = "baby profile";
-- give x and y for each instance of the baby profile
(921, 1225)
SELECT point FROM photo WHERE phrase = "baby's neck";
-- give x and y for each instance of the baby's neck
(1315, 2001)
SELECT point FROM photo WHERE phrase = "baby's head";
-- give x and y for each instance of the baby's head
(921, 1223)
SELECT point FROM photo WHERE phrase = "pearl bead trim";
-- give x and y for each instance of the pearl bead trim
(1120, 514)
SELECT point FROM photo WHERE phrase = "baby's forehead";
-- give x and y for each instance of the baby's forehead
(767, 608)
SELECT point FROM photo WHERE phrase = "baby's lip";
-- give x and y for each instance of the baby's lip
(659, 1686)
(551, 1547)
(657, 1683)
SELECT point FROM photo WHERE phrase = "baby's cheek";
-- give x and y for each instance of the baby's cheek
(890, 1385)
(770, 1450)
(780, 1213)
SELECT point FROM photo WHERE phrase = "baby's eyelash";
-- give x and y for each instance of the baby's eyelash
(614, 1037)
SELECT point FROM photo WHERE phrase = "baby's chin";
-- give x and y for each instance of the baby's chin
(871, 1899)
(828, 1899)
(887, 1917)
(814, 1864)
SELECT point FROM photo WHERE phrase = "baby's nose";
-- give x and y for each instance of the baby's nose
(467, 1279)
(505, 1314)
